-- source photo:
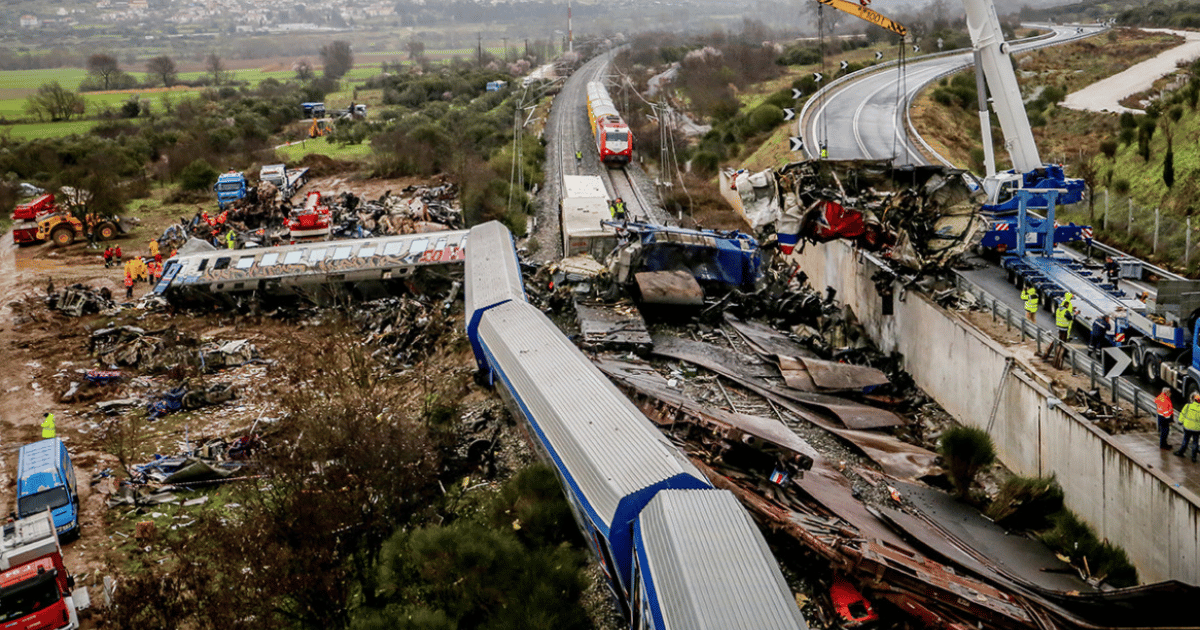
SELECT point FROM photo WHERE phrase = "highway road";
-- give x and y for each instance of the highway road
(865, 118)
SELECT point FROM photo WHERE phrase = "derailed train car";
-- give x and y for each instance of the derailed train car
(365, 266)
(673, 548)
(614, 142)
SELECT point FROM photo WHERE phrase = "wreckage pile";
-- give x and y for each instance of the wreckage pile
(77, 300)
(920, 217)
(263, 220)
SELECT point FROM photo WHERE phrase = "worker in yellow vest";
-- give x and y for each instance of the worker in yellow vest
(1190, 417)
(1030, 297)
(47, 425)
(1064, 316)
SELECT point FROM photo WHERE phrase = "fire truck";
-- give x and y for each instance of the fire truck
(35, 588)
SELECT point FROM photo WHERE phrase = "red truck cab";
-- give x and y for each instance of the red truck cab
(35, 588)
(26, 216)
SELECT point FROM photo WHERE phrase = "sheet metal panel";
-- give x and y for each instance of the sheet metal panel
(709, 567)
(582, 231)
(583, 186)
(607, 447)
(492, 274)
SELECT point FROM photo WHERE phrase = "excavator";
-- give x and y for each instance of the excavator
(993, 65)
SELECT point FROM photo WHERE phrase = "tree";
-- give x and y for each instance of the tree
(104, 68)
(215, 68)
(55, 102)
(163, 68)
(1169, 165)
(966, 451)
(416, 49)
(304, 71)
(337, 59)
(198, 175)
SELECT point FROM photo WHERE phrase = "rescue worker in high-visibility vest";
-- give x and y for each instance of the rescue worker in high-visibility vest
(1030, 297)
(1064, 316)
(1190, 417)
(620, 206)
(231, 239)
(128, 286)
(153, 248)
(47, 425)
(579, 157)
(1166, 409)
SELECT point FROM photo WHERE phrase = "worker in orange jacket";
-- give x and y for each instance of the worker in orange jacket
(128, 286)
(1166, 410)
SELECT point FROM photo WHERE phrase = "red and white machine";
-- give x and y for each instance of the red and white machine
(311, 222)
(614, 142)
(35, 588)
(26, 216)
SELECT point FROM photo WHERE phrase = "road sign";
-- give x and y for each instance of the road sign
(797, 143)
(878, 55)
(788, 113)
(845, 64)
(796, 94)
(817, 76)
(1120, 361)
(940, 43)
(916, 48)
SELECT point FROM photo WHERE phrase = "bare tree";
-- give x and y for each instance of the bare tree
(104, 67)
(163, 68)
(55, 102)
(337, 59)
(215, 68)
(304, 70)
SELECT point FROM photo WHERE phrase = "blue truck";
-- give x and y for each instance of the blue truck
(46, 479)
(230, 187)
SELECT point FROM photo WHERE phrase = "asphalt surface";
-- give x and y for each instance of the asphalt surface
(866, 118)
(1105, 95)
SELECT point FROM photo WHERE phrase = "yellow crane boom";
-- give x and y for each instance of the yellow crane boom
(860, 10)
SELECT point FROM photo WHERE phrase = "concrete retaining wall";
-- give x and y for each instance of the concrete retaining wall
(1134, 506)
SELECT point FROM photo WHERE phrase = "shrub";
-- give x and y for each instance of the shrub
(1026, 503)
(199, 175)
(1108, 148)
(765, 118)
(967, 450)
(1075, 539)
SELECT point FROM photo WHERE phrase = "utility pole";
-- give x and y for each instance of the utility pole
(570, 38)
(479, 49)
(505, 40)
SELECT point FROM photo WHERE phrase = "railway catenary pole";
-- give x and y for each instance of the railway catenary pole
(570, 37)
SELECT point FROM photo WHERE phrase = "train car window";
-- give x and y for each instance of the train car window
(394, 248)
(293, 257)
(222, 263)
(203, 264)
(418, 247)
(245, 262)
(269, 259)
(366, 251)
(616, 136)
(317, 255)
(342, 253)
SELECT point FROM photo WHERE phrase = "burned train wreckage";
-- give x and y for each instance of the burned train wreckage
(919, 217)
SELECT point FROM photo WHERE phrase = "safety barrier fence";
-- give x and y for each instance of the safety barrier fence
(1120, 388)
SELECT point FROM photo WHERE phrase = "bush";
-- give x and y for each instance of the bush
(1108, 148)
(764, 118)
(1026, 503)
(199, 175)
(967, 450)
(1075, 539)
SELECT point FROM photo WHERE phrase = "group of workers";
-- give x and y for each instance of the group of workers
(1064, 316)
(616, 209)
(1189, 417)
(139, 269)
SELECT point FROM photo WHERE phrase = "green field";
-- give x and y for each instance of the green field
(293, 153)
(48, 130)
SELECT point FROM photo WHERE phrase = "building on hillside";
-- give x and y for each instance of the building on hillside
(30, 21)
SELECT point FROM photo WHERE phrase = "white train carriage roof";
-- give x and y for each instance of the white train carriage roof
(493, 275)
(606, 448)
(707, 567)
(314, 262)
(599, 102)
(585, 186)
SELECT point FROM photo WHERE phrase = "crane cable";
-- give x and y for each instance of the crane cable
(821, 44)
(901, 96)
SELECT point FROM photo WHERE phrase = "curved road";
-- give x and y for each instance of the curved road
(865, 118)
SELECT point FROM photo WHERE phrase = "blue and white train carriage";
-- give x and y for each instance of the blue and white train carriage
(613, 464)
